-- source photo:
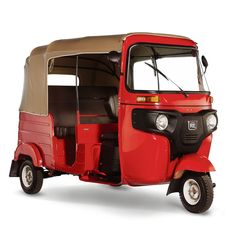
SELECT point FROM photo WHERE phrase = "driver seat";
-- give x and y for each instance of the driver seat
(112, 111)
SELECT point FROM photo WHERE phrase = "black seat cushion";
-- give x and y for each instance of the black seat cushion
(109, 136)
(62, 132)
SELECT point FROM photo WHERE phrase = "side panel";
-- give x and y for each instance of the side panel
(38, 130)
(89, 143)
(145, 156)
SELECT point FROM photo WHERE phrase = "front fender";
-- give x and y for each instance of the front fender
(194, 162)
(189, 162)
(31, 150)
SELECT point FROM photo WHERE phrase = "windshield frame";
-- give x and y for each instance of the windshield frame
(207, 92)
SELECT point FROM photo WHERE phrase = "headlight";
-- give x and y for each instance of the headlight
(161, 122)
(211, 122)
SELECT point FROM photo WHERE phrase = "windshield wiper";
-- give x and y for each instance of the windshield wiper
(161, 73)
(154, 63)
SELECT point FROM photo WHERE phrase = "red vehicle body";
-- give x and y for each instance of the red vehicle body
(144, 157)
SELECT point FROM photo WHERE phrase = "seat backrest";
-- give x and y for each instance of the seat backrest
(92, 101)
(62, 105)
(113, 103)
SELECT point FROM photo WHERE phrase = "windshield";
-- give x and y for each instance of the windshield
(179, 65)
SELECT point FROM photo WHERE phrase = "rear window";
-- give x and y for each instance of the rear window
(61, 80)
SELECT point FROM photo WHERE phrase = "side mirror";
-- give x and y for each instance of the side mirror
(114, 57)
(204, 62)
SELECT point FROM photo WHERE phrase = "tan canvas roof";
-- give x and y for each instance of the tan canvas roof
(90, 44)
(35, 97)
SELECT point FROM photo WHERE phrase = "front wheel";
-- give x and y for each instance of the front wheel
(196, 192)
(31, 178)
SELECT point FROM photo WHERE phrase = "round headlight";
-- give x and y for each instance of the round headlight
(211, 122)
(161, 122)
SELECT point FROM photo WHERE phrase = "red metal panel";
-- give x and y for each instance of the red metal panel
(91, 133)
(201, 101)
(89, 136)
(39, 131)
(197, 161)
(145, 156)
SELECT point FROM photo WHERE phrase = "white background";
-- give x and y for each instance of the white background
(66, 206)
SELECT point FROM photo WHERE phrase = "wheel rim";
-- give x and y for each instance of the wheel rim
(191, 191)
(27, 176)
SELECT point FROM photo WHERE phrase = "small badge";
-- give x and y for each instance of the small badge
(192, 124)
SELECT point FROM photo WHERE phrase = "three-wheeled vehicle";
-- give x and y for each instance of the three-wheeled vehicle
(138, 112)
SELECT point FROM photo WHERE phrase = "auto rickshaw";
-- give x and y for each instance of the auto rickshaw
(138, 112)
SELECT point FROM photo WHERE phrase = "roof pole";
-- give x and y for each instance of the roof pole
(76, 84)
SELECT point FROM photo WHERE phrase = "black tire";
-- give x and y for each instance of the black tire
(31, 178)
(191, 199)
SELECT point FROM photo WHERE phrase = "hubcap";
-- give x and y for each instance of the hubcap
(191, 191)
(27, 176)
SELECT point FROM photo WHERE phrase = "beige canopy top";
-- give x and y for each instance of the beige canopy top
(35, 92)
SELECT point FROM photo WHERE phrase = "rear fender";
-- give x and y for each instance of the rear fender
(31, 150)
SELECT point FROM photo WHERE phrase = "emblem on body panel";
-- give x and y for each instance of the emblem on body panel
(192, 124)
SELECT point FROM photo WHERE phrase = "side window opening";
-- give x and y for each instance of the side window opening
(61, 80)
(98, 90)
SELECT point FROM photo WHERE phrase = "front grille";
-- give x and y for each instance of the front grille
(190, 138)
(189, 135)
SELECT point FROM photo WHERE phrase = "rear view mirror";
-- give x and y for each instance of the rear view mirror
(113, 57)
(204, 62)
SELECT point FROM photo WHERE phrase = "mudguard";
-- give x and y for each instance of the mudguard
(189, 162)
(31, 150)
(194, 162)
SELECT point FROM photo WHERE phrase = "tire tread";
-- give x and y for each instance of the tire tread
(37, 181)
(207, 192)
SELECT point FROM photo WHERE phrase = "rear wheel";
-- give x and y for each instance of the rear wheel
(196, 192)
(31, 178)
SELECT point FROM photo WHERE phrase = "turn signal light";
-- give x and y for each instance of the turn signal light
(152, 99)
